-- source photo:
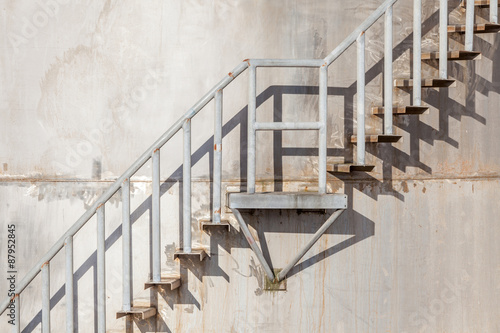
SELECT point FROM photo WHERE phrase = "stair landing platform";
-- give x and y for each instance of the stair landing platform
(287, 200)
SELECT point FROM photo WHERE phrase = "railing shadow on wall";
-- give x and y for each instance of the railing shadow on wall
(351, 223)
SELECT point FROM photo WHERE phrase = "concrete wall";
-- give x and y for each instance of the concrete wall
(89, 85)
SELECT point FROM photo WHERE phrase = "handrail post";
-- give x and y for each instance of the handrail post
(388, 89)
(417, 52)
(494, 11)
(17, 310)
(323, 119)
(216, 209)
(361, 100)
(126, 246)
(251, 146)
(186, 188)
(101, 270)
(443, 39)
(46, 297)
(469, 26)
(68, 244)
(155, 206)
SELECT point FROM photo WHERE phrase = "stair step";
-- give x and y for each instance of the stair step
(374, 138)
(453, 55)
(426, 83)
(349, 167)
(482, 28)
(208, 225)
(287, 200)
(172, 282)
(478, 3)
(143, 312)
(200, 253)
(401, 110)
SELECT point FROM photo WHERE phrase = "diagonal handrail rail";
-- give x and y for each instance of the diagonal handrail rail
(178, 125)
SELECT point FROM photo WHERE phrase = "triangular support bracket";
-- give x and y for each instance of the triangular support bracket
(340, 204)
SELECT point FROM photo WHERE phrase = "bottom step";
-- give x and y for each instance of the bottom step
(374, 138)
(348, 168)
(142, 312)
(194, 254)
(172, 282)
(401, 110)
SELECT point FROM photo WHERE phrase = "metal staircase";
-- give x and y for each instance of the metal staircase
(251, 199)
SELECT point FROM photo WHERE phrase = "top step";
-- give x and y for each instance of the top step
(287, 200)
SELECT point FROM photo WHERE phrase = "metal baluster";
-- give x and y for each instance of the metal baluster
(68, 245)
(126, 247)
(469, 26)
(156, 237)
(388, 100)
(46, 297)
(361, 99)
(443, 39)
(187, 187)
(417, 52)
(17, 313)
(323, 117)
(251, 146)
(216, 209)
(494, 11)
(101, 271)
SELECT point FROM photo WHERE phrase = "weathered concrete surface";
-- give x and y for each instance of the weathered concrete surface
(84, 93)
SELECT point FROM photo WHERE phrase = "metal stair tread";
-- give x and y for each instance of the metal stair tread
(378, 138)
(348, 167)
(400, 110)
(478, 3)
(426, 83)
(200, 253)
(480, 28)
(173, 282)
(143, 312)
(208, 224)
(287, 200)
(453, 55)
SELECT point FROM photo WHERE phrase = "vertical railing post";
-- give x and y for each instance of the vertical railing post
(417, 52)
(443, 39)
(126, 246)
(494, 11)
(251, 146)
(216, 209)
(469, 26)
(323, 119)
(361, 100)
(17, 312)
(186, 187)
(388, 89)
(68, 245)
(46, 297)
(101, 270)
(155, 206)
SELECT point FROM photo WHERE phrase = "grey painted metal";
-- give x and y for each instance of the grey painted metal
(286, 62)
(217, 184)
(17, 310)
(186, 189)
(126, 247)
(101, 270)
(46, 297)
(323, 118)
(287, 126)
(361, 99)
(494, 11)
(469, 27)
(388, 85)
(443, 39)
(417, 52)
(155, 206)
(253, 243)
(287, 200)
(309, 244)
(33, 272)
(353, 36)
(251, 137)
(68, 245)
